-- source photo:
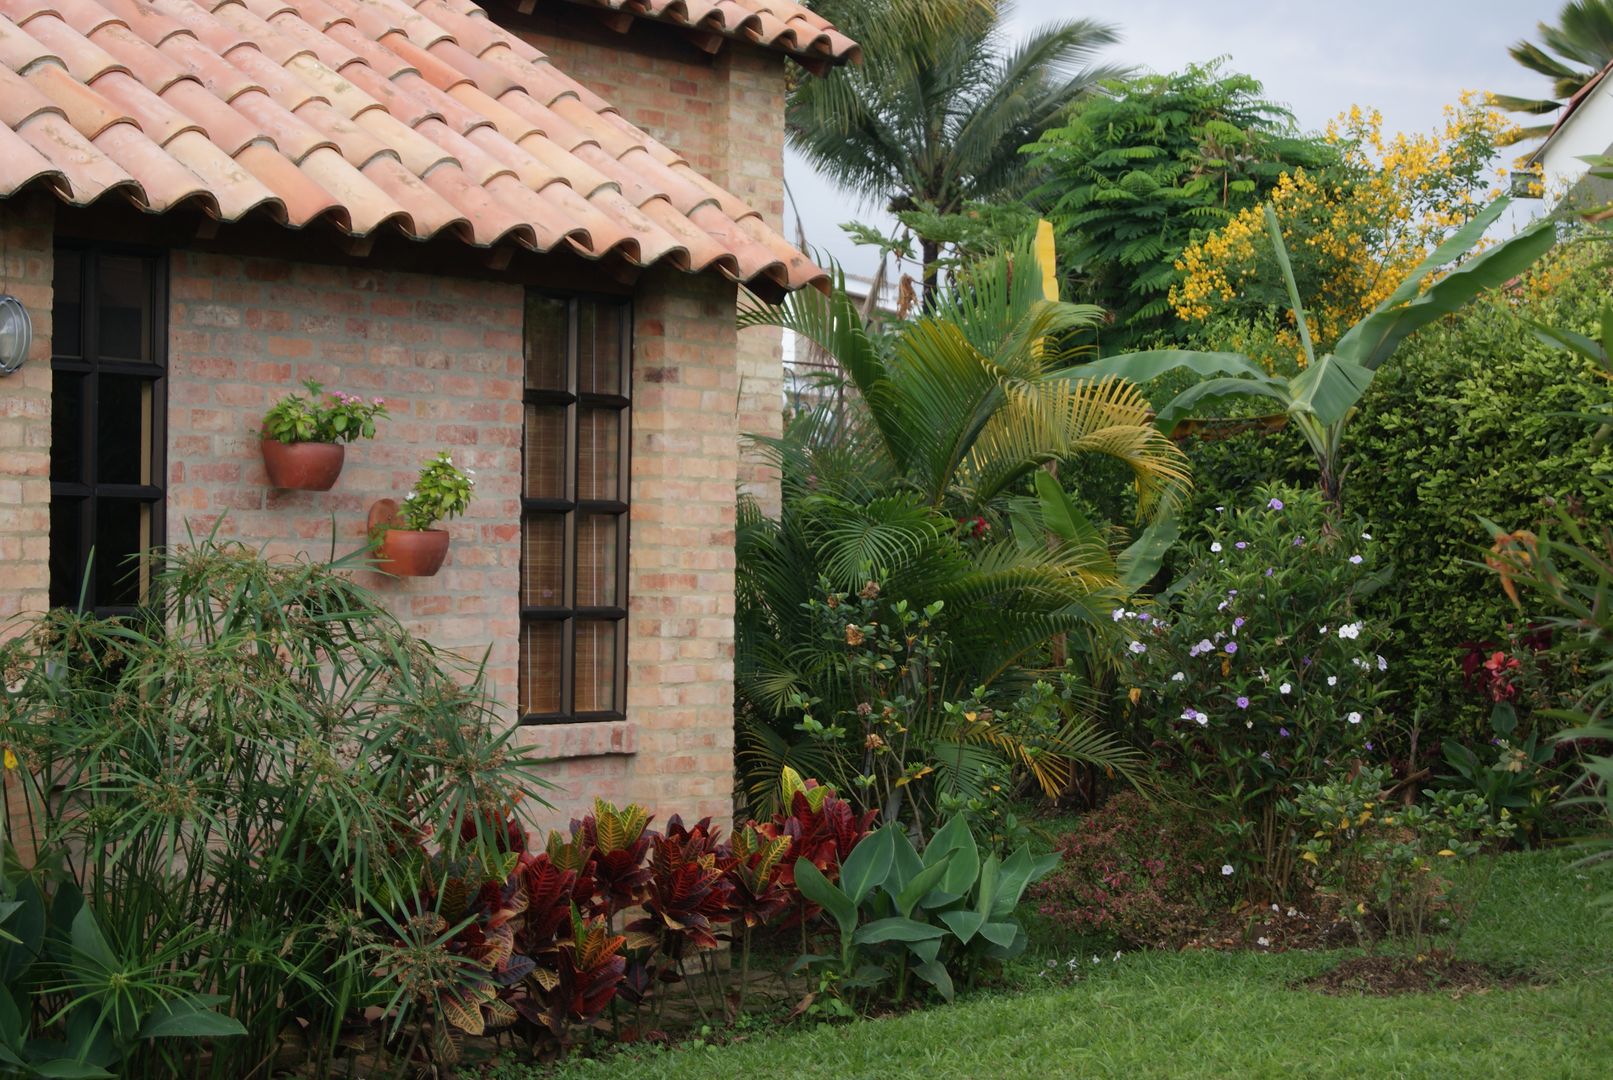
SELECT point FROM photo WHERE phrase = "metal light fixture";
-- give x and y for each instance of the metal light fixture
(16, 334)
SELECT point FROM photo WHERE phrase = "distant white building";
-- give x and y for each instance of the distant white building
(1584, 129)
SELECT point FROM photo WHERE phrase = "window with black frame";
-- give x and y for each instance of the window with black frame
(108, 412)
(574, 509)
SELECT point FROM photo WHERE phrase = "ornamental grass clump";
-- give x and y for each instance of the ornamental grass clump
(1257, 673)
(244, 779)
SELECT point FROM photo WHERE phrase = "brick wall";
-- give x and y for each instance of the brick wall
(725, 115)
(446, 354)
(26, 266)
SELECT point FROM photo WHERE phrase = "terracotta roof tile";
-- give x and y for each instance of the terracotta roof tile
(774, 24)
(367, 116)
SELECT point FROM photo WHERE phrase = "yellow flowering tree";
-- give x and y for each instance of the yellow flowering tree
(1354, 232)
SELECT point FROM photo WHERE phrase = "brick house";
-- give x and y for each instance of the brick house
(525, 227)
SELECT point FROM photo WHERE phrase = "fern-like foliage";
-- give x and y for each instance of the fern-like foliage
(913, 482)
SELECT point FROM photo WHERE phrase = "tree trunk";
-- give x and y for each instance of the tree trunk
(930, 252)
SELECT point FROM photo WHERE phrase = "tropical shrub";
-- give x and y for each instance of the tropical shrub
(1142, 873)
(1384, 861)
(1477, 417)
(112, 998)
(1354, 229)
(1321, 399)
(1147, 167)
(907, 751)
(243, 779)
(940, 916)
(1568, 566)
(951, 414)
(1257, 673)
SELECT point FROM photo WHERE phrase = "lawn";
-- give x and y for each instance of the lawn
(1235, 1014)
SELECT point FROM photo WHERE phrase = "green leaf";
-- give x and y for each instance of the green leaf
(816, 888)
(1145, 367)
(68, 1069)
(963, 923)
(1211, 389)
(1275, 231)
(905, 864)
(896, 928)
(1374, 339)
(926, 951)
(965, 868)
(869, 864)
(10, 1019)
(188, 1019)
(1012, 879)
(1001, 934)
(936, 974)
(89, 943)
(921, 884)
(1329, 389)
(27, 925)
(1142, 559)
(987, 894)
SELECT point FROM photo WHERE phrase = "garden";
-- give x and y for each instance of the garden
(1181, 646)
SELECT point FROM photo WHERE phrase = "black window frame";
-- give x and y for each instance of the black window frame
(572, 508)
(90, 366)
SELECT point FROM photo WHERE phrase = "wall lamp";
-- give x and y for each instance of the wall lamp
(16, 334)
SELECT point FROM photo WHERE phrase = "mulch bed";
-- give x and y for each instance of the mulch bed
(1385, 976)
(1312, 922)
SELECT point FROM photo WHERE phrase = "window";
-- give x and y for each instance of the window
(574, 509)
(108, 405)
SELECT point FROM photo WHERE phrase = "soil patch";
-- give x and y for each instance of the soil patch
(1433, 973)
(1311, 922)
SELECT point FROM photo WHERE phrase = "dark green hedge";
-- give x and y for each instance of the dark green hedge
(1460, 423)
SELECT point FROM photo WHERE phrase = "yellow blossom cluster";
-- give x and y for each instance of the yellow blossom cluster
(1353, 231)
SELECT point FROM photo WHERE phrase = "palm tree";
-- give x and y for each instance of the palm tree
(952, 413)
(1570, 54)
(936, 115)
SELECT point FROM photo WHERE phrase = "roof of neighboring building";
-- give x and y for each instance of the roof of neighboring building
(1569, 109)
(422, 117)
(774, 24)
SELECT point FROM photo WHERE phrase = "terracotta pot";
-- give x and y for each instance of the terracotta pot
(405, 552)
(303, 466)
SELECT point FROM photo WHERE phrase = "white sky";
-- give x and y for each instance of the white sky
(1407, 58)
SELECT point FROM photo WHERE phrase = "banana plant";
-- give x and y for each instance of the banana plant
(1320, 400)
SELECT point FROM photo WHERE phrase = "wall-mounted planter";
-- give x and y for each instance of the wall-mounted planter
(405, 552)
(303, 466)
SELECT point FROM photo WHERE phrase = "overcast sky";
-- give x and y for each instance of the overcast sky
(1407, 58)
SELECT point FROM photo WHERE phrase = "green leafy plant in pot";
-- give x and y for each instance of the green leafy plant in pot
(303, 436)
(403, 535)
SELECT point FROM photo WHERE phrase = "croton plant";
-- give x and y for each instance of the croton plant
(531, 941)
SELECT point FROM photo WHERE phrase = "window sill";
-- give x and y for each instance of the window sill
(561, 742)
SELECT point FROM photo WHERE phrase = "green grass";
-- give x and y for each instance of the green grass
(1236, 1014)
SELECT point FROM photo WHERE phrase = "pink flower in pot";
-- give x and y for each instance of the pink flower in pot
(302, 437)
